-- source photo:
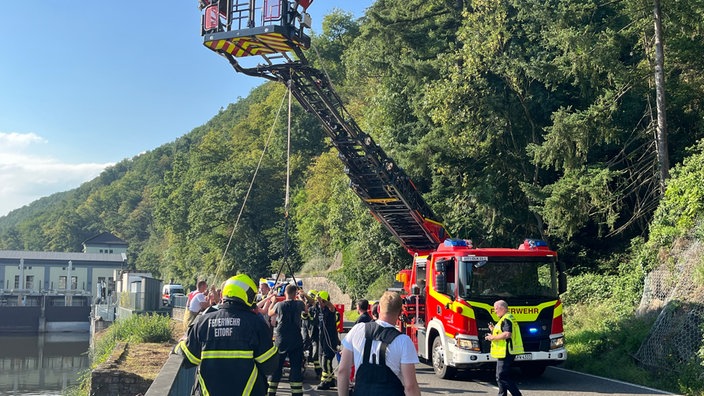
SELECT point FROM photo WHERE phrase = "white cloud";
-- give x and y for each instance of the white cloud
(26, 176)
(14, 139)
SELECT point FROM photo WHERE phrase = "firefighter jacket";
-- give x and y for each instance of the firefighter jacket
(327, 331)
(513, 344)
(313, 322)
(234, 351)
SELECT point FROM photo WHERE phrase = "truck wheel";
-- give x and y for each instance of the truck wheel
(441, 370)
(533, 371)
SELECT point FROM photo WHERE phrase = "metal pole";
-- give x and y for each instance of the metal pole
(21, 283)
(68, 277)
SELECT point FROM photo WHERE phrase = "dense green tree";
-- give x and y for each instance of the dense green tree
(514, 119)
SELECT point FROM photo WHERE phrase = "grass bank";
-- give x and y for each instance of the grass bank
(137, 329)
(603, 335)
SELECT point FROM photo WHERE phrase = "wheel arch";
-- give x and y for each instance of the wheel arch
(435, 330)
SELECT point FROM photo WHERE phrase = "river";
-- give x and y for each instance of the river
(41, 365)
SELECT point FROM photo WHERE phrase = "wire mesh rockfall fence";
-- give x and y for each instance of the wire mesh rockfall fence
(676, 292)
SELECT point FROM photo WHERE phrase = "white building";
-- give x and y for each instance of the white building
(103, 257)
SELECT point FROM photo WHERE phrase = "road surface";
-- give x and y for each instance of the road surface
(555, 382)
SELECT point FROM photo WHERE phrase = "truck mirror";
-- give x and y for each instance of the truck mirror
(440, 276)
(562, 283)
(561, 278)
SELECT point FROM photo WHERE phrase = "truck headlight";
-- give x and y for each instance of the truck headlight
(469, 344)
(557, 343)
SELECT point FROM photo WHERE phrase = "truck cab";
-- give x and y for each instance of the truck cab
(460, 286)
(168, 293)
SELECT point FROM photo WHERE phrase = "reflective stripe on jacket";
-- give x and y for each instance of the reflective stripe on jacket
(228, 345)
(515, 343)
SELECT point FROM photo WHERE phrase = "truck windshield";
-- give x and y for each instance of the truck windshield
(176, 290)
(507, 277)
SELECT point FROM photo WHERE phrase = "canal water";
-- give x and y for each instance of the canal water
(42, 365)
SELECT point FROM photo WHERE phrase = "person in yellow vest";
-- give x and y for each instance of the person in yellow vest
(506, 343)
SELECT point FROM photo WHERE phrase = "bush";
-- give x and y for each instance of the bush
(588, 288)
(136, 328)
(680, 210)
(601, 342)
(379, 286)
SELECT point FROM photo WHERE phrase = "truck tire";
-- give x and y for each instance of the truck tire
(438, 358)
(533, 370)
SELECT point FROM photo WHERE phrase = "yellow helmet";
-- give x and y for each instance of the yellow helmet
(312, 293)
(324, 295)
(240, 287)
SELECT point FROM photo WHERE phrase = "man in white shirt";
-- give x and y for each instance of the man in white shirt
(198, 303)
(400, 354)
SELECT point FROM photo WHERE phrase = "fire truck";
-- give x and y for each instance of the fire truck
(451, 286)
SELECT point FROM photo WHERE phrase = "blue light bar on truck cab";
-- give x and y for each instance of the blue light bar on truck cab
(457, 242)
(534, 243)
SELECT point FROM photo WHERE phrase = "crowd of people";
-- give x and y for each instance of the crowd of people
(257, 330)
(243, 335)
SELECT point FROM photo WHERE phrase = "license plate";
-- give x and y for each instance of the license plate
(526, 356)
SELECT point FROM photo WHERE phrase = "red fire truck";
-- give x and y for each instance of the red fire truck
(450, 297)
(451, 287)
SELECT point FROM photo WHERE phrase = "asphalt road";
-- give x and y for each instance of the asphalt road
(555, 382)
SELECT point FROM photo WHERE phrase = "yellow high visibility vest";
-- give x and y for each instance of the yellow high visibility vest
(498, 347)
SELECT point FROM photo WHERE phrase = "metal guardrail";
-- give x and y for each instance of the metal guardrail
(179, 301)
(104, 311)
(174, 379)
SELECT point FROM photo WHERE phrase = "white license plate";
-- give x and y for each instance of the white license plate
(526, 356)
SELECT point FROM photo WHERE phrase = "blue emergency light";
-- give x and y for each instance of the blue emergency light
(456, 242)
(533, 243)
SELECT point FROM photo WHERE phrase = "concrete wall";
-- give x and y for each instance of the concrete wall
(107, 381)
(174, 379)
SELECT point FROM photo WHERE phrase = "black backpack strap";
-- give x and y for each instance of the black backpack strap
(386, 335)
(369, 330)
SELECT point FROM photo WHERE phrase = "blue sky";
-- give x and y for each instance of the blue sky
(84, 85)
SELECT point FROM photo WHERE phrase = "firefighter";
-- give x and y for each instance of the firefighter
(313, 309)
(232, 346)
(328, 340)
(305, 327)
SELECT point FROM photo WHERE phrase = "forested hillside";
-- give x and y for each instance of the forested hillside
(515, 119)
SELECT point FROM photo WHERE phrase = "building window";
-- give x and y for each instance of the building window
(17, 281)
(110, 250)
(29, 283)
(62, 282)
(74, 282)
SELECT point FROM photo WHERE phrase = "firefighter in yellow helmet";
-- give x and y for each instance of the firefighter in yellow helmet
(328, 340)
(232, 345)
(307, 324)
(314, 351)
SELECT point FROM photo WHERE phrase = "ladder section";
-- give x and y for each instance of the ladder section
(384, 187)
(238, 29)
